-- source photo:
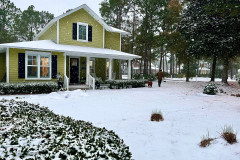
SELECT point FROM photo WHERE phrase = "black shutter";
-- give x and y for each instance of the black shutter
(74, 32)
(90, 33)
(54, 66)
(21, 65)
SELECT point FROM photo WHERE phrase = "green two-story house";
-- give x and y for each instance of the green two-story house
(78, 44)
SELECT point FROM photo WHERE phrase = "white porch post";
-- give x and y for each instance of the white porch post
(88, 69)
(7, 65)
(129, 69)
(65, 65)
(110, 69)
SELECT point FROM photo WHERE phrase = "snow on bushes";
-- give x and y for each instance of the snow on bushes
(126, 83)
(210, 89)
(28, 87)
(28, 131)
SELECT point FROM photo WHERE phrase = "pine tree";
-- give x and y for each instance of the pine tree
(8, 14)
(211, 27)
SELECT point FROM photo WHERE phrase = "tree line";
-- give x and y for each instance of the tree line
(17, 25)
(186, 30)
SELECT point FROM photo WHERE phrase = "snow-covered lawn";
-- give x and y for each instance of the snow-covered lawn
(188, 115)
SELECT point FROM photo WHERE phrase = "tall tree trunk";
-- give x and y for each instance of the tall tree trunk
(166, 63)
(188, 70)
(163, 65)
(179, 66)
(141, 66)
(214, 63)
(173, 64)
(161, 59)
(145, 62)
(225, 69)
(150, 60)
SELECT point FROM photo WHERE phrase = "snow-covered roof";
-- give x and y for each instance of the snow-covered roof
(91, 12)
(48, 45)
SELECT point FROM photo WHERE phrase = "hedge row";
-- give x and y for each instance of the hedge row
(126, 83)
(28, 87)
(32, 132)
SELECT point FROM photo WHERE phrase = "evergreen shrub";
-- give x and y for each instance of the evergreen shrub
(33, 132)
(210, 89)
(28, 87)
(126, 83)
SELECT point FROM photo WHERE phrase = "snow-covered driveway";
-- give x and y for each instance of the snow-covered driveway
(188, 115)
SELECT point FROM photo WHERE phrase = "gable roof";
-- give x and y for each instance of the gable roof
(91, 12)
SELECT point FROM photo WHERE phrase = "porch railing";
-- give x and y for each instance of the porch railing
(91, 82)
(66, 82)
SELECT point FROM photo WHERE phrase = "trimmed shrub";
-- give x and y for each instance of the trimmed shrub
(229, 135)
(137, 76)
(28, 87)
(126, 83)
(156, 115)
(205, 140)
(150, 77)
(210, 89)
(34, 132)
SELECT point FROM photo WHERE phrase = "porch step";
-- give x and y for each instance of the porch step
(75, 87)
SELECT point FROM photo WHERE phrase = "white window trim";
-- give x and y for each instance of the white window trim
(38, 54)
(83, 24)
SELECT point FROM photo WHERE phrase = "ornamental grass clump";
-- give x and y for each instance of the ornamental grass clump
(157, 115)
(229, 135)
(205, 140)
(210, 89)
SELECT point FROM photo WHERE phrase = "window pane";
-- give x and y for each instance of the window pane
(32, 72)
(29, 60)
(82, 32)
(44, 72)
(34, 60)
(44, 61)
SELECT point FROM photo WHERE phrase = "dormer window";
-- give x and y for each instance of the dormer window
(82, 32)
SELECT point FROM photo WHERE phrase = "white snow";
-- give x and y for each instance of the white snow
(188, 115)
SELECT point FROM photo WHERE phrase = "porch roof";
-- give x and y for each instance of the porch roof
(48, 45)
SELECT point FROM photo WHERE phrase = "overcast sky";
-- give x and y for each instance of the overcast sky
(57, 7)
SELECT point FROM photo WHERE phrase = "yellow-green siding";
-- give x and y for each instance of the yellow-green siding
(66, 25)
(50, 34)
(13, 65)
(112, 40)
(2, 65)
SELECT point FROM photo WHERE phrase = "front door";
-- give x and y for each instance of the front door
(74, 70)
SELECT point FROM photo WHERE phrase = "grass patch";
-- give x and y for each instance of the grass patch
(157, 115)
(206, 140)
(229, 135)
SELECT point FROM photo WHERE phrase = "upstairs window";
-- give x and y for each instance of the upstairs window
(82, 32)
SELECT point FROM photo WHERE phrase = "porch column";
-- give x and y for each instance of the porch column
(110, 69)
(129, 69)
(65, 65)
(88, 69)
(7, 65)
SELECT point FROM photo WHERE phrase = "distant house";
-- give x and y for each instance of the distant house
(78, 44)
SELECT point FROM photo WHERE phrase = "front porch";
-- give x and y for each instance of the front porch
(37, 61)
(83, 72)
